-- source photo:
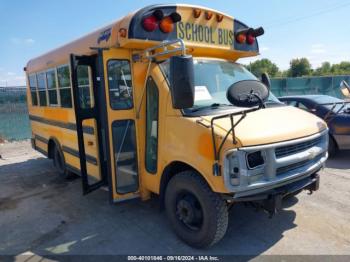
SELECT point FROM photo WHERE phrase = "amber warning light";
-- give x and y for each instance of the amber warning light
(157, 19)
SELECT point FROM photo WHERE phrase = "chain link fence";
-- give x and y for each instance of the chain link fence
(15, 125)
(14, 120)
(328, 85)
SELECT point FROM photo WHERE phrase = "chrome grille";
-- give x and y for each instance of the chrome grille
(296, 148)
(294, 166)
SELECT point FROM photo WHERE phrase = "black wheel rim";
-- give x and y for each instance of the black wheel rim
(189, 211)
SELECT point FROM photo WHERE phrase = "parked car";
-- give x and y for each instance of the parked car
(335, 111)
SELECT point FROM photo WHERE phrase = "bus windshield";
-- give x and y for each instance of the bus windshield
(212, 79)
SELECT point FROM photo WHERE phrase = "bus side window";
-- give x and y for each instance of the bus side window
(120, 84)
(152, 99)
(42, 89)
(64, 86)
(52, 87)
(33, 89)
(85, 87)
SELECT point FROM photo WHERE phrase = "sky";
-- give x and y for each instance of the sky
(316, 29)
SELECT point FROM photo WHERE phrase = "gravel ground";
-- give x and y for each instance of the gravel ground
(42, 215)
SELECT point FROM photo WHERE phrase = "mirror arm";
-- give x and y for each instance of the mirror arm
(261, 102)
(143, 90)
(243, 114)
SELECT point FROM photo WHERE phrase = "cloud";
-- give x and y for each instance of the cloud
(29, 41)
(22, 41)
(318, 49)
(12, 79)
(264, 48)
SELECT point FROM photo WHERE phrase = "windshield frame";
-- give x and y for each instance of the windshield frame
(216, 109)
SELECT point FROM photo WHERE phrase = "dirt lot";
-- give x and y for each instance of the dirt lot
(43, 215)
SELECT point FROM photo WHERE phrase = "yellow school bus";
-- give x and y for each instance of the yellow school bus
(156, 104)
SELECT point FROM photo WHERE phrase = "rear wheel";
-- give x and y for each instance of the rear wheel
(59, 163)
(198, 215)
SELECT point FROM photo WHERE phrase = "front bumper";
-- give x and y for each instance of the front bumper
(271, 200)
(309, 183)
(278, 170)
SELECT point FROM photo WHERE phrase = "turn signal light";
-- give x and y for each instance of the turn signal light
(241, 38)
(150, 23)
(250, 39)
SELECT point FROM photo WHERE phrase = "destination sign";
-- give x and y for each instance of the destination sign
(205, 34)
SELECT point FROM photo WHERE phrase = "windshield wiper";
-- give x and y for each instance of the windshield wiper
(212, 106)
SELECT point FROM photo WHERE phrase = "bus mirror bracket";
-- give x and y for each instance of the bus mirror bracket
(151, 54)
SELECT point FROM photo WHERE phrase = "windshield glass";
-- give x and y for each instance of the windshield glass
(213, 78)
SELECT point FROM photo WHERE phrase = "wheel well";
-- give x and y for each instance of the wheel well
(53, 142)
(51, 147)
(171, 170)
(335, 141)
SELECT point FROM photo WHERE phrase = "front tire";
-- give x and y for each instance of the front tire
(198, 215)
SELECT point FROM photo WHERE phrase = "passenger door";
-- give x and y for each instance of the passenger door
(90, 113)
(122, 125)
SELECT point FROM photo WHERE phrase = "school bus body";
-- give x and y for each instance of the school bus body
(184, 142)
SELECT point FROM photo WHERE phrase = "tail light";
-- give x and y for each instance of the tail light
(248, 35)
(166, 24)
(150, 23)
(250, 39)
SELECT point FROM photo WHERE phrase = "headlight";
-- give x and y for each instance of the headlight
(244, 167)
(255, 159)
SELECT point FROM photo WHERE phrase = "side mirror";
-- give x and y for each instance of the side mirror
(247, 93)
(265, 79)
(345, 88)
(182, 81)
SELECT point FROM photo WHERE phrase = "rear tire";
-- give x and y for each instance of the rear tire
(332, 147)
(60, 163)
(198, 215)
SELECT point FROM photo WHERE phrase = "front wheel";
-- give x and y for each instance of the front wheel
(198, 215)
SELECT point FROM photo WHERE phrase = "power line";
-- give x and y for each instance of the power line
(304, 17)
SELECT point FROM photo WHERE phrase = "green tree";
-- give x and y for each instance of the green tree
(324, 69)
(263, 66)
(343, 68)
(299, 67)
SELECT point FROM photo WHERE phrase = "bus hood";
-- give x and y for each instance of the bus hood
(271, 125)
